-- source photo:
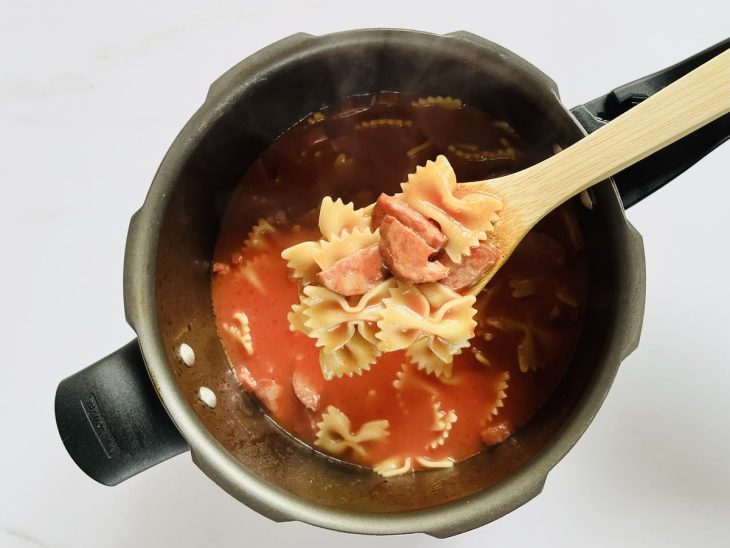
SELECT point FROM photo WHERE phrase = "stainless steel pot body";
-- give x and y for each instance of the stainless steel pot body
(121, 425)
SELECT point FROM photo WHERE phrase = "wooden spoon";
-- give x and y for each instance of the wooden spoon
(528, 195)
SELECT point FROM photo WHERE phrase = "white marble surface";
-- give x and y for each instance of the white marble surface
(91, 95)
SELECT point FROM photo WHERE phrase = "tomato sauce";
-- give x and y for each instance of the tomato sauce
(529, 316)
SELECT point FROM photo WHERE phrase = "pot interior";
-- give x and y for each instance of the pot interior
(245, 118)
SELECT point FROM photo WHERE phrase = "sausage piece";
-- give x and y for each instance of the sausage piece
(355, 274)
(390, 205)
(471, 268)
(304, 392)
(496, 433)
(268, 391)
(245, 377)
(406, 255)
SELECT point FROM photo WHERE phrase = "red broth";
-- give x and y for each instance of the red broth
(529, 316)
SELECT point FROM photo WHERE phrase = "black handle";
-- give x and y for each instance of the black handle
(112, 421)
(643, 178)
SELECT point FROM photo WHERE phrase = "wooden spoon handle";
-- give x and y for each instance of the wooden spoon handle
(687, 104)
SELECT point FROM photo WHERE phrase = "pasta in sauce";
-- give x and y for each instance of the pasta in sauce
(378, 370)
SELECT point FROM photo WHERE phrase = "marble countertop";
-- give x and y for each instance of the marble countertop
(92, 94)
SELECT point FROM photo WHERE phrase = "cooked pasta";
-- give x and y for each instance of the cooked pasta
(409, 379)
(380, 122)
(430, 463)
(353, 266)
(443, 422)
(393, 466)
(397, 465)
(463, 220)
(249, 272)
(352, 358)
(257, 236)
(507, 153)
(438, 101)
(481, 357)
(221, 268)
(241, 330)
(563, 296)
(432, 322)
(335, 217)
(346, 333)
(297, 319)
(300, 259)
(316, 117)
(307, 258)
(502, 386)
(416, 150)
(527, 355)
(335, 435)
(526, 287)
(341, 245)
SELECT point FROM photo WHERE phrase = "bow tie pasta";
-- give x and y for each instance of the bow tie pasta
(343, 276)
(432, 321)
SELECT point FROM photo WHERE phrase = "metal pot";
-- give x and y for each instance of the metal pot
(118, 418)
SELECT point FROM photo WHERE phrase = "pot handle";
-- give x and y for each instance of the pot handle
(111, 420)
(643, 178)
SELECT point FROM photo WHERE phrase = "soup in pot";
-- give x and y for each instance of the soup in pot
(353, 324)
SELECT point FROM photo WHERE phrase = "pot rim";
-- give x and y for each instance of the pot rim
(207, 453)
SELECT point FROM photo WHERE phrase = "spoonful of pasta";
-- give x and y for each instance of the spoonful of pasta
(460, 234)
(404, 272)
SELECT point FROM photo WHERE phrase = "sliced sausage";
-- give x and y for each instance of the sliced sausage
(268, 391)
(406, 255)
(496, 433)
(471, 268)
(245, 377)
(354, 274)
(304, 392)
(221, 268)
(390, 205)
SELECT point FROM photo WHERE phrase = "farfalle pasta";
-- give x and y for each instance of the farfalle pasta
(346, 333)
(502, 385)
(257, 236)
(466, 220)
(300, 259)
(408, 378)
(443, 422)
(399, 465)
(346, 243)
(393, 466)
(241, 330)
(306, 259)
(336, 217)
(335, 435)
(438, 101)
(527, 354)
(432, 322)
(342, 276)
